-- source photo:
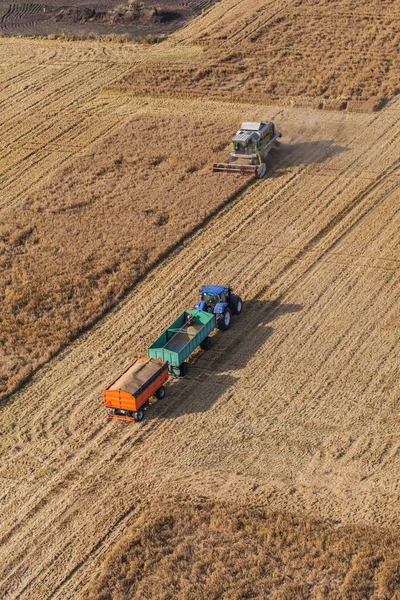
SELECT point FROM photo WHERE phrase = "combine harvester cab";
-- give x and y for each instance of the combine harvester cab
(127, 397)
(249, 149)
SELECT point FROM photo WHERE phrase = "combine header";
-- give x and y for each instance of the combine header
(249, 149)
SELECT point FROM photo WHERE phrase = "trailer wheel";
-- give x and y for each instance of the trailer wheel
(183, 369)
(139, 415)
(236, 304)
(224, 320)
(160, 393)
(261, 170)
(206, 343)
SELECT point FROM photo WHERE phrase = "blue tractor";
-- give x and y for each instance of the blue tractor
(220, 301)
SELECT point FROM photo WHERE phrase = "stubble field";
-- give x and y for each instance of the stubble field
(294, 410)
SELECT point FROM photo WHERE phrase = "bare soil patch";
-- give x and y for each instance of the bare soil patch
(207, 550)
(75, 247)
(327, 54)
(134, 19)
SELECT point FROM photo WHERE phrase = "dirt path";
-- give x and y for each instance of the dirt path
(294, 408)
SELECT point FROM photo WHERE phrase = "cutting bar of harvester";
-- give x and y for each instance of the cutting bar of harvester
(232, 168)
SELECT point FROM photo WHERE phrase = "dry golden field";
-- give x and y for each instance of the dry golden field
(204, 551)
(293, 411)
(53, 110)
(80, 242)
(52, 106)
(334, 54)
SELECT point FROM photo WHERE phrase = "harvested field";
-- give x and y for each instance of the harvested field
(52, 105)
(205, 550)
(294, 410)
(327, 54)
(79, 243)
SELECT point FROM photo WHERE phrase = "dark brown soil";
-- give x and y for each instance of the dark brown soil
(133, 19)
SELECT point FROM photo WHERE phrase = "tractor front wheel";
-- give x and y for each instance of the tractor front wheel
(224, 320)
(236, 304)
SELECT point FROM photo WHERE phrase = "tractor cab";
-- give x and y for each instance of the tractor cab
(212, 295)
(219, 300)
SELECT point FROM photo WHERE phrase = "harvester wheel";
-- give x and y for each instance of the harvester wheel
(206, 343)
(139, 415)
(261, 170)
(183, 369)
(160, 393)
(224, 320)
(236, 304)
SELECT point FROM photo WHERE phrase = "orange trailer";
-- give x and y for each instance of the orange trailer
(127, 397)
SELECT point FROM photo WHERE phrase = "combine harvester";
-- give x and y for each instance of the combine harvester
(250, 147)
(128, 396)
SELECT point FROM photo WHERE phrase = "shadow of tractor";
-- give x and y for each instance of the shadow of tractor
(210, 373)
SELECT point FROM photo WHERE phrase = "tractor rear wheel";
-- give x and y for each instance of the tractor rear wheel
(206, 343)
(160, 393)
(261, 170)
(183, 369)
(236, 304)
(224, 320)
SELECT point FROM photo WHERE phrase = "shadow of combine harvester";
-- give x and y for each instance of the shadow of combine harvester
(300, 154)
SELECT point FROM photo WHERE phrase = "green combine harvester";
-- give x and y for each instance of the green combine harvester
(249, 149)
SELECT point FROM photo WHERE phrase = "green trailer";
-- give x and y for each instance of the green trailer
(190, 330)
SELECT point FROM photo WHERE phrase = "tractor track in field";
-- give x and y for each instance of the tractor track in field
(246, 31)
(117, 469)
(372, 188)
(304, 246)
